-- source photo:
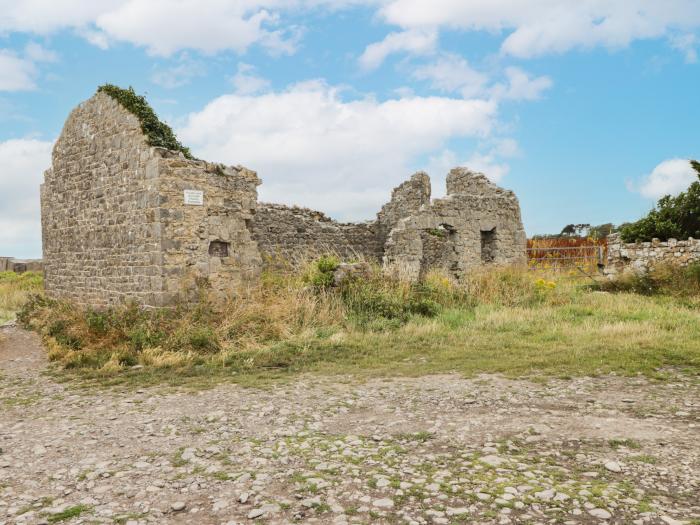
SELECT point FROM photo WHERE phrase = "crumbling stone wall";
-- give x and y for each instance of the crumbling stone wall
(115, 226)
(476, 224)
(643, 256)
(122, 220)
(406, 200)
(295, 235)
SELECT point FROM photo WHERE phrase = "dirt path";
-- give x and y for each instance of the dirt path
(437, 449)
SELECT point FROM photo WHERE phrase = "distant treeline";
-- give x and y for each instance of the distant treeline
(582, 231)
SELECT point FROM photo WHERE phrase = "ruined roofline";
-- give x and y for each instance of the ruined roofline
(318, 215)
(477, 184)
(157, 132)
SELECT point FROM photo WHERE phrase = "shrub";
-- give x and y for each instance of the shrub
(141, 337)
(320, 274)
(674, 217)
(203, 339)
(97, 322)
(383, 298)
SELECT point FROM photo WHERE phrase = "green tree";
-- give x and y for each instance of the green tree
(672, 218)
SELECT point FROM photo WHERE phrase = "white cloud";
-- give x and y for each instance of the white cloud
(537, 27)
(415, 41)
(247, 82)
(452, 73)
(668, 178)
(178, 75)
(47, 16)
(23, 163)
(165, 27)
(485, 160)
(488, 164)
(39, 53)
(531, 28)
(16, 73)
(686, 44)
(521, 86)
(310, 146)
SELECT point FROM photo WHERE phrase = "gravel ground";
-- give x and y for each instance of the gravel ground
(436, 449)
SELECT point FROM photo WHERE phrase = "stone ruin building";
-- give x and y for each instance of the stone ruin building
(123, 220)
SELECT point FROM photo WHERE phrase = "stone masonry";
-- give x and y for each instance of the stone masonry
(476, 224)
(294, 235)
(122, 220)
(643, 256)
(115, 224)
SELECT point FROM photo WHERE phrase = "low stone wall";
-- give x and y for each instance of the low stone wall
(641, 257)
(294, 234)
(10, 264)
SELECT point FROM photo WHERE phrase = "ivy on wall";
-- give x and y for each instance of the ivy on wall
(157, 133)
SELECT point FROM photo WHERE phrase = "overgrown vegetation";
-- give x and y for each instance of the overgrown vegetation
(507, 321)
(673, 218)
(157, 132)
(15, 288)
(662, 279)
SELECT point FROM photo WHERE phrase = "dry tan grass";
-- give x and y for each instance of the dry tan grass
(502, 320)
(14, 291)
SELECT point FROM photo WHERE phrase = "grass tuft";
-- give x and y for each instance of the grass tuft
(70, 512)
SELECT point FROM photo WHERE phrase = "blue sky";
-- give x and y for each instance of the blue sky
(588, 109)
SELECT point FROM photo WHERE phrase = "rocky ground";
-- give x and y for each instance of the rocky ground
(438, 449)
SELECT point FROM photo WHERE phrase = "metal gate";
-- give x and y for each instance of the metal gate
(586, 258)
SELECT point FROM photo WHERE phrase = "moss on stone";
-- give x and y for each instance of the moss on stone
(158, 133)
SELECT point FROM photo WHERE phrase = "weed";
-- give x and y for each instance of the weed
(628, 443)
(645, 458)
(68, 513)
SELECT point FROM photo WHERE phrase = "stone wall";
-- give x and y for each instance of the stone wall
(114, 223)
(476, 224)
(641, 257)
(211, 240)
(100, 222)
(294, 235)
(406, 200)
(10, 264)
(122, 220)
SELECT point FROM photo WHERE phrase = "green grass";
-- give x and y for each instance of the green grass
(628, 443)
(503, 322)
(15, 288)
(645, 458)
(70, 512)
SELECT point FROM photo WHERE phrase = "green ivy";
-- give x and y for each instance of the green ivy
(158, 133)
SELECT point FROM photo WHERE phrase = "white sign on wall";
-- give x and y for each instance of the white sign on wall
(194, 197)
